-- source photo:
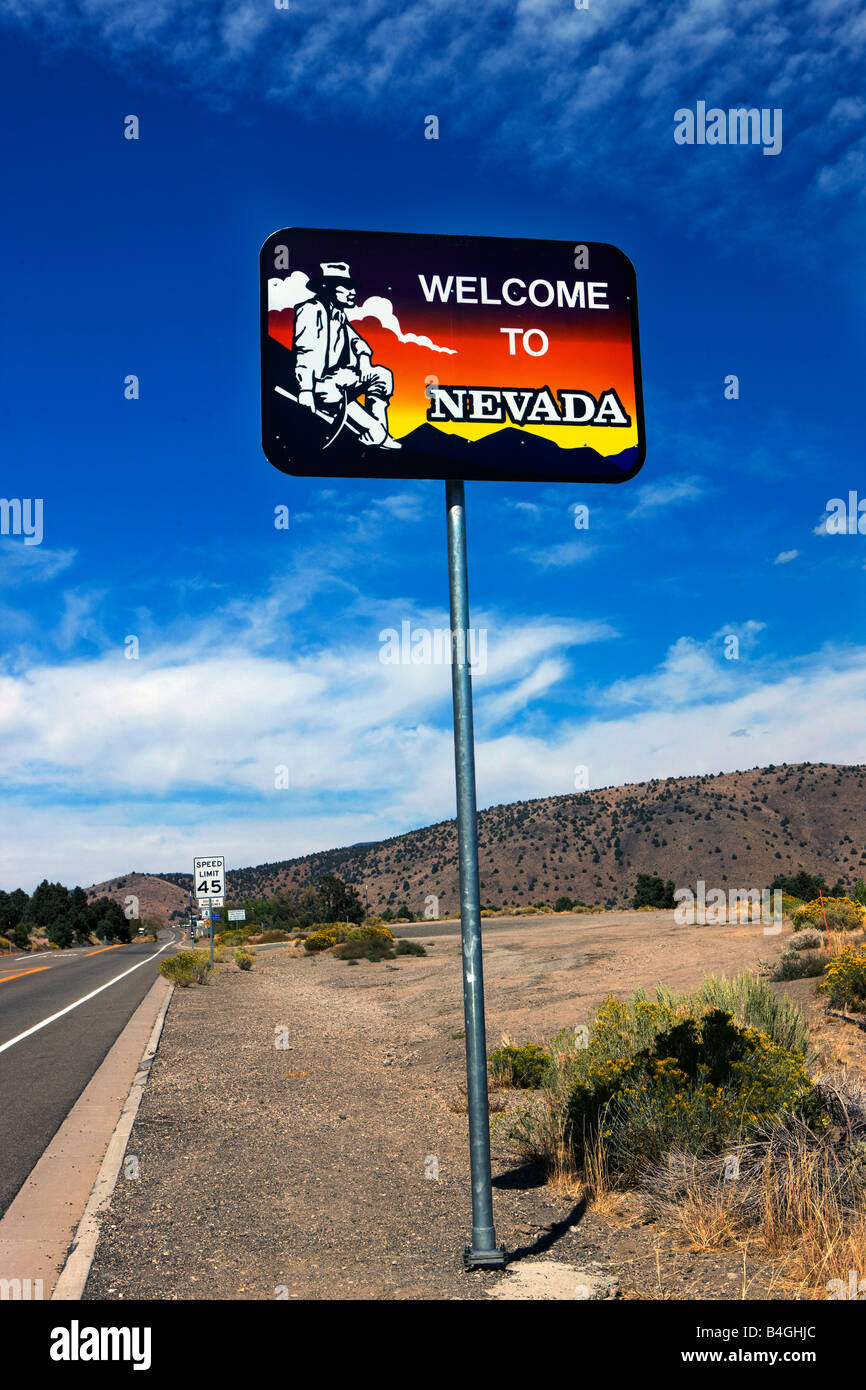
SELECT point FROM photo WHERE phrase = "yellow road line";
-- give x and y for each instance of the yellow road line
(22, 973)
(106, 948)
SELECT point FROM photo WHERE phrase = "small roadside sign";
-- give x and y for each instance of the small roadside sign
(237, 914)
(217, 902)
(210, 877)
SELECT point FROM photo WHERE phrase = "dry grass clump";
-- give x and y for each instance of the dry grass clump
(797, 1194)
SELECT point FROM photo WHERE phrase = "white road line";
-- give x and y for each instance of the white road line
(92, 995)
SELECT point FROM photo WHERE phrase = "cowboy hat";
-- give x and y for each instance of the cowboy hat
(333, 273)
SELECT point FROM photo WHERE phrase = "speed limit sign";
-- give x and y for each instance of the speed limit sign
(210, 877)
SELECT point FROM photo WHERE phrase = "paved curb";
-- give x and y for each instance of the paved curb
(73, 1277)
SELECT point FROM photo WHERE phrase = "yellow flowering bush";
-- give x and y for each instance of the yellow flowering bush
(845, 979)
(522, 1067)
(689, 1083)
(370, 932)
(842, 914)
(321, 940)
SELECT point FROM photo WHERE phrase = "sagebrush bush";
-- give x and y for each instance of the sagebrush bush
(806, 940)
(364, 949)
(186, 968)
(410, 948)
(842, 914)
(244, 960)
(524, 1067)
(796, 964)
(845, 980)
(751, 1001)
(234, 936)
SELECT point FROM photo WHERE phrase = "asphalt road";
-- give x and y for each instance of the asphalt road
(42, 1075)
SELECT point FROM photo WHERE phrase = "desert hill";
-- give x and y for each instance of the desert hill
(156, 896)
(734, 830)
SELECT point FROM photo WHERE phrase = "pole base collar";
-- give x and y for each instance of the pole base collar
(484, 1259)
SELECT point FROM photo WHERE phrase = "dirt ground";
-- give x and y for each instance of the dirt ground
(299, 1139)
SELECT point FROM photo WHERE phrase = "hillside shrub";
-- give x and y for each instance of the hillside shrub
(244, 960)
(5, 944)
(653, 891)
(801, 885)
(522, 1067)
(842, 914)
(845, 981)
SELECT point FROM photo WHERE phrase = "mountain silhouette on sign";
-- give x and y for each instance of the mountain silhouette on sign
(521, 452)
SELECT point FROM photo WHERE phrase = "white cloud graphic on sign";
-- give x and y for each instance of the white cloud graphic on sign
(383, 311)
(290, 290)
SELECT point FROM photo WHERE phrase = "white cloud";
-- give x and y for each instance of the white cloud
(618, 70)
(26, 564)
(560, 556)
(162, 756)
(785, 557)
(666, 492)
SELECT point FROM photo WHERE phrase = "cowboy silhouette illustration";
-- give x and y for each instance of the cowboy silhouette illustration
(333, 364)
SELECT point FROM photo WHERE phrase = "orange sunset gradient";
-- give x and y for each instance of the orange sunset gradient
(595, 364)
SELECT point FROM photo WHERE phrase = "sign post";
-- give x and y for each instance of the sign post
(390, 355)
(483, 1250)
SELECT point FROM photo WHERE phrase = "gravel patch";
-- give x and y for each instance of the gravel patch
(299, 1138)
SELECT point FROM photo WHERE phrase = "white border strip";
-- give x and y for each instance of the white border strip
(74, 1275)
(92, 995)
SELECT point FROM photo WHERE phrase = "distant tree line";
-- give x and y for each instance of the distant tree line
(327, 899)
(653, 891)
(63, 915)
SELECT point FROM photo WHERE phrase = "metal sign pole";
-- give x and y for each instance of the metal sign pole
(483, 1251)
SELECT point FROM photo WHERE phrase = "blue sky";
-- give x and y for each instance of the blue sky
(259, 648)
